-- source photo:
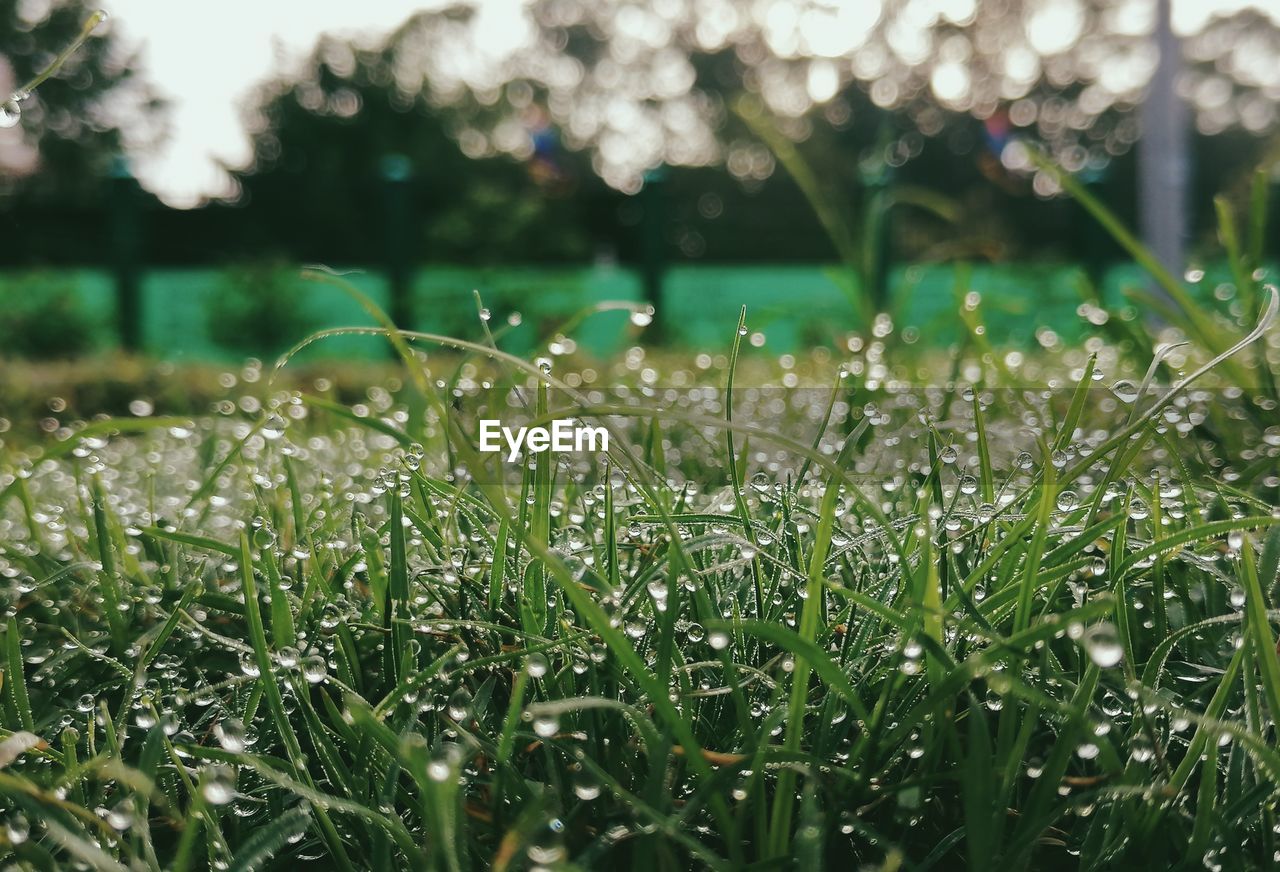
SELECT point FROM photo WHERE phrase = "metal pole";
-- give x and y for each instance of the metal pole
(122, 205)
(1164, 164)
(399, 237)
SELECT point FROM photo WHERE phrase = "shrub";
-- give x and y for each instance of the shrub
(258, 309)
(43, 318)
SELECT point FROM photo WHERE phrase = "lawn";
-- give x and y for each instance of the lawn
(874, 605)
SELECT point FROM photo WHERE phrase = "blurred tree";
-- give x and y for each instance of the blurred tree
(78, 121)
(321, 134)
(640, 85)
(44, 318)
(259, 308)
(630, 83)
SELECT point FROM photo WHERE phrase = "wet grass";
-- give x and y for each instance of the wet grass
(803, 613)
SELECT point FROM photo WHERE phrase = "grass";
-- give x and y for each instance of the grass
(816, 611)
(823, 617)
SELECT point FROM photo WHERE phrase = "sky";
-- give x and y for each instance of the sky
(206, 58)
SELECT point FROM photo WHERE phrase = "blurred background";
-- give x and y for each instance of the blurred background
(818, 160)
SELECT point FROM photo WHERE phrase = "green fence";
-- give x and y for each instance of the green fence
(793, 305)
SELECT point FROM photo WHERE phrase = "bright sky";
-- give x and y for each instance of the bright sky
(205, 58)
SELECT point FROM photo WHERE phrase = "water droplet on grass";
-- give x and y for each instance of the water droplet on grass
(230, 735)
(438, 769)
(219, 784)
(274, 427)
(536, 665)
(120, 818)
(10, 113)
(1125, 391)
(18, 829)
(546, 726)
(1102, 644)
(585, 786)
(314, 669)
(1141, 751)
(459, 704)
(263, 537)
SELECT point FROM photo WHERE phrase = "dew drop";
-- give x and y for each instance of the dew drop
(585, 786)
(274, 427)
(536, 665)
(314, 669)
(10, 113)
(120, 817)
(1102, 644)
(230, 735)
(1125, 391)
(18, 829)
(459, 704)
(219, 786)
(438, 769)
(546, 726)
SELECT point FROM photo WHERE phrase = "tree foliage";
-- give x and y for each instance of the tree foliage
(332, 138)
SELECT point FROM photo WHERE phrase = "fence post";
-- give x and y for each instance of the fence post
(122, 211)
(881, 242)
(654, 245)
(398, 236)
(876, 175)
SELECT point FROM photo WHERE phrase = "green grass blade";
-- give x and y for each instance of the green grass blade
(15, 685)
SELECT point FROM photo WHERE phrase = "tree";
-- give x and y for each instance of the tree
(864, 89)
(629, 81)
(326, 135)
